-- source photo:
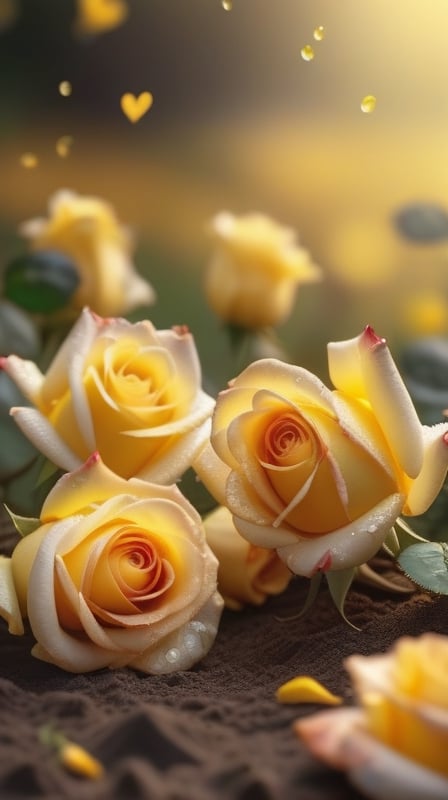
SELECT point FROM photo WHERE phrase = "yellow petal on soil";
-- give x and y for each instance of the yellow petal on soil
(304, 689)
(78, 760)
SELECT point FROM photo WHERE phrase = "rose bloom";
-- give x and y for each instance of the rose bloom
(246, 573)
(118, 573)
(87, 231)
(395, 743)
(320, 475)
(253, 273)
(126, 390)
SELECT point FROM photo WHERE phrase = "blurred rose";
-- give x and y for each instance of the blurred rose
(118, 573)
(395, 745)
(254, 271)
(128, 391)
(320, 475)
(246, 573)
(99, 16)
(87, 231)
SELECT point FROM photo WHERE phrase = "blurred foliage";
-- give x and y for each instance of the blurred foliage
(41, 282)
(422, 223)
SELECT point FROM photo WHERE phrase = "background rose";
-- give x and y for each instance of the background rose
(246, 573)
(118, 573)
(128, 391)
(394, 745)
(87, 231)
(322, 475)
(254, 270)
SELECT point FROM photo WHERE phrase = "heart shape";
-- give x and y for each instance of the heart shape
(135, 107)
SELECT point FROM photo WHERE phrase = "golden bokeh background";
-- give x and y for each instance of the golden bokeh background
(241, 122)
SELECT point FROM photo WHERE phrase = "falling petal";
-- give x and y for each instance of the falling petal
(304, 689)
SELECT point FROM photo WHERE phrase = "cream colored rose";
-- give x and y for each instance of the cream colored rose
(87, 231)
(128, 391)
(246, 573)
(119, 573)
(395, 743)
(320, 475)
(254, 271)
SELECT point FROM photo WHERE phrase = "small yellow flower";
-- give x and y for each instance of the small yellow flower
(254, 270)
(78, 760)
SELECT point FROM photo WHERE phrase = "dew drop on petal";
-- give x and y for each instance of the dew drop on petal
(65, 88)
(29, 160)
(368, 103)
(172, 655)
(307, 53)
(319, 33)
(227, 5)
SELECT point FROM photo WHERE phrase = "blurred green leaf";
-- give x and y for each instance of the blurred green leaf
(426, 563)
(23, 525)
(424, 366)
(18, 333)
(43, 281)
(26, 493)
(16, 452)
(424, 223)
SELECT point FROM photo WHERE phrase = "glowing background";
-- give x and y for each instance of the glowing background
(241, 122)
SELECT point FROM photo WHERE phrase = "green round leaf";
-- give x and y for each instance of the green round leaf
(43, 281)
(16, 452)
(426, 564)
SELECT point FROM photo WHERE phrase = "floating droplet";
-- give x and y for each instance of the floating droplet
(319, 33)
(65, 88)
(368, 103)
(227, 5)
(29, 160)
(63, 146)
(307, 53)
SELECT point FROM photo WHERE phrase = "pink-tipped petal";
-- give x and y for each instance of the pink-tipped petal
(339, 739)
(349, 546)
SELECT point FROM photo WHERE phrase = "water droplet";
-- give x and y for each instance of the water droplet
(307, 53)
(227, 5)
(319, 33)
(368, 103)
(198, 626)
(65, 88)
(63, 146)
(172, 655)
(29, 160)
(371, 529)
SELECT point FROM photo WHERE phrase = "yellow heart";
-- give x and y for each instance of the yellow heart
(135, 107)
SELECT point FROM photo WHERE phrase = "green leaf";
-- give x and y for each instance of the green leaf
(339, 583)
(43, 281)
(313, 591)
(426, 563)
(23, 525)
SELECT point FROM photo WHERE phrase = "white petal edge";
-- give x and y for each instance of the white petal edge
(169, 467)
(187, 645)
(9, 604)
(429, 482)
(44, 437)
(347, 547)
(339, 739)
(212, 472)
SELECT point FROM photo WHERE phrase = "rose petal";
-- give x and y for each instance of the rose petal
(167, 467)
(212, 472)
(426, 486)
(339, 739)
(9, 604)
(25, 374)
(79, 341)
(185, 646)
(347, 547)
(43, 436)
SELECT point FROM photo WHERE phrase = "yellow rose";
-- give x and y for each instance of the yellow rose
(246, 573)
(128, 391)
(255, 269)
(395, 743)
(320, 475)
(87, 231)
(119, 573)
